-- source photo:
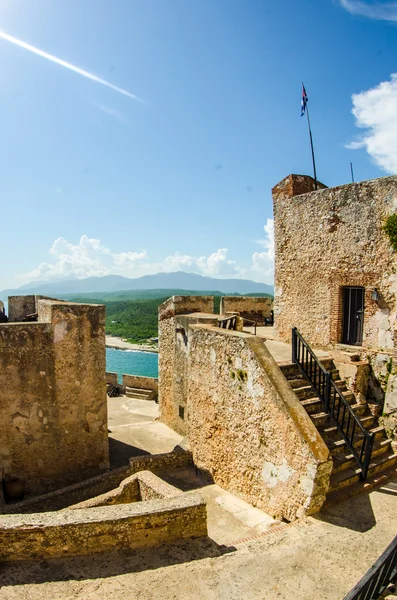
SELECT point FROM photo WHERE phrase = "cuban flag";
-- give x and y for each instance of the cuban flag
(303, 101)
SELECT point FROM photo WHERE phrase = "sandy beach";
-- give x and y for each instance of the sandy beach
(120, 344)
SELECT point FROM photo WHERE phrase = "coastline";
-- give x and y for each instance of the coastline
(119, 344)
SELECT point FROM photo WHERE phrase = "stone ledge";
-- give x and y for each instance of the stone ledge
(88, 531)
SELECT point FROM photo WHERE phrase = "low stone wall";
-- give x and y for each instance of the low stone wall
(253, 308)
(141, 383)
(139, 487)
(101, 484)
(88, 531)
(112, 379)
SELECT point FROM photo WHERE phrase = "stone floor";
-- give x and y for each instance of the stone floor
(320, 558)
(281, 351)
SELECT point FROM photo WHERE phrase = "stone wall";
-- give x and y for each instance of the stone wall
(87, 531)
(249, 307)
(53, 404)
(20, 307)
(139, 487)
(101, 484)
(141, 383)
(168, 311)
(324, 241)
(248, 430)
(244, 425)
(112, 378)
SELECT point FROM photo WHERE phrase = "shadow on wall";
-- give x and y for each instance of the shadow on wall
(110, 564)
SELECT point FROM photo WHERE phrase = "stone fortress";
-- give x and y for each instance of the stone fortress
(252, 422)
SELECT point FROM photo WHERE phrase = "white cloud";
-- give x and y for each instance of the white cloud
(376, 111)
(90, 258)
(382, 11)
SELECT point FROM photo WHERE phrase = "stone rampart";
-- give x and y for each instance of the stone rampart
(249, 307)
(53, 405)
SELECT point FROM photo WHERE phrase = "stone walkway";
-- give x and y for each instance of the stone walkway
(321, 558)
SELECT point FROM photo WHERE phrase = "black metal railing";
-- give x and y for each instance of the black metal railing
(359, 441)
(378, 577)
(249, 323)
(228, 322)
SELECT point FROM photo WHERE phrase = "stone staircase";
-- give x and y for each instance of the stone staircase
(140, 393)
(345, 470)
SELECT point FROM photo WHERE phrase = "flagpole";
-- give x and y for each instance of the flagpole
(311, 145)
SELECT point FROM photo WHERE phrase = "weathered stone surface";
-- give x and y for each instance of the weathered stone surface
(249, 307)
(141, 486)
(87, 531)
(247, 428)
(101, 484)
(244, 424)
(326, 240)
(53, 405)
(170, 342)
(139, 382)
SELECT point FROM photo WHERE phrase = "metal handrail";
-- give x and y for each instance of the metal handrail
(339, 409)
(378, 577)
(227, 322)
(334, 403)
(253, 323)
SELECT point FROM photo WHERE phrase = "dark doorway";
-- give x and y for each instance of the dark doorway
(353, 315)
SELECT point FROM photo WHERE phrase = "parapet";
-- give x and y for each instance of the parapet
(183, 305)
(295, 185)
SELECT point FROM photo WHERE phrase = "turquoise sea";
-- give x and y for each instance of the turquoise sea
(131, 362)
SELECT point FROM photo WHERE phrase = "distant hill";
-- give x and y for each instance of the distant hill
(161, 281)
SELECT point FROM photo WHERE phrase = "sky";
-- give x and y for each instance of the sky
(140, 136)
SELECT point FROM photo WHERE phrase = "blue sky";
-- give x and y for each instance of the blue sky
(94, 181)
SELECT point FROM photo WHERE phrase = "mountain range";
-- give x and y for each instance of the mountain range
(116, 283)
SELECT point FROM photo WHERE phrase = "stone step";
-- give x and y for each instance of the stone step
(304, 392)
(327, 363)
(313, 404)
(345, 460)
(341, 384)
(337, 444)
(291, 371)
(330, 431)
(349, 396)
(322, 418)
(139, 393)
(297, 382)
(346, 477)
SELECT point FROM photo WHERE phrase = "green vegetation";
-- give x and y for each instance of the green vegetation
(132, 315)
(391, 229)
